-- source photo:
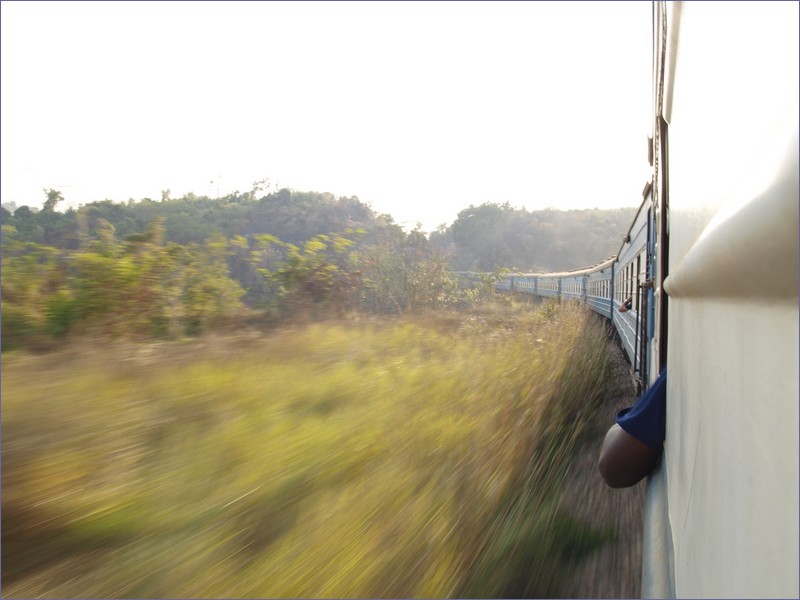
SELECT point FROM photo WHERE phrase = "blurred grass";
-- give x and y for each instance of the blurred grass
(397, 458)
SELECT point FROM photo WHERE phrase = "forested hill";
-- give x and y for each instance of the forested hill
(540, 241)
(292, 216)
(482, 238)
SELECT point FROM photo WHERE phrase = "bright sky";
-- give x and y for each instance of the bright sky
(418, 108)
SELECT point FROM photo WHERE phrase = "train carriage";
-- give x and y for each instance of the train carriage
(722, 511)
(598, 288)
(710, 264)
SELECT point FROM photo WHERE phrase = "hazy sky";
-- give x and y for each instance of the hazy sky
(418, 108)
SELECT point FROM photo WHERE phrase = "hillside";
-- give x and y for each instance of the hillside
(193, 264)
(482, 238)
(494, 235)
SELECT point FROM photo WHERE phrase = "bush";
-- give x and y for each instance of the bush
(19, 326)
(60, 312)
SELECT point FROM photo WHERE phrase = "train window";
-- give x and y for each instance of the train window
(624, 288)
(638, 268)
(630, 279)
(624, 283)
(627, 281)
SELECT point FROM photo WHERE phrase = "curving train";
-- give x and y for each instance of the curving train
(710, 265)
(626, 277)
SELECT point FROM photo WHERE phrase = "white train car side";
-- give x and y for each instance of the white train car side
(722, 512)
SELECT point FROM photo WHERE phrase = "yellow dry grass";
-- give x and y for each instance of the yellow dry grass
(417, 457)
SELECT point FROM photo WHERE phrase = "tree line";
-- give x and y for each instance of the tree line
(132, 270)
(491, 235)
(187, 265)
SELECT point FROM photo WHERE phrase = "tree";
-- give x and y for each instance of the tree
(258, 186)
(428, 279)
(53, 198)
(479, 234)
(32, 274)
(318, 273)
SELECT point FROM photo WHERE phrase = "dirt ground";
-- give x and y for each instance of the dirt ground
(615, 570)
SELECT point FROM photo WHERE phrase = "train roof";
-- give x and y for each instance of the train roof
(575, 272)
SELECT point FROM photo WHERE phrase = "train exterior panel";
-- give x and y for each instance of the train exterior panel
(599, 283)
(725, 506)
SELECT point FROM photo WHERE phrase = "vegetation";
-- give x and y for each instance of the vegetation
(143, 287)
(190, 265)
(493, 235)
(482, 238)
(290, 396)
(416, 456)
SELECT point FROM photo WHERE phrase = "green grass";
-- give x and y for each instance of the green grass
(397, 458)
